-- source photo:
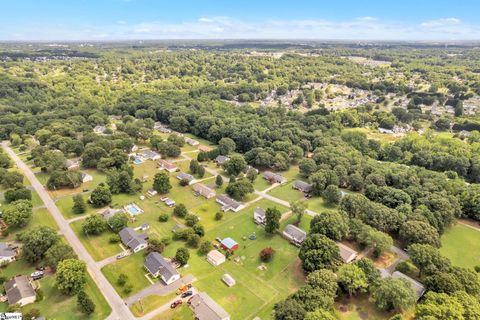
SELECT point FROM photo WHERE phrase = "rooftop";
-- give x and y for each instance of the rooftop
(205, 308)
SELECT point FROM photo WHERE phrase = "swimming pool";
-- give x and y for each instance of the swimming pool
(133, 209)
(137, 161)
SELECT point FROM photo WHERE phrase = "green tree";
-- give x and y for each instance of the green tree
(226, 146)
(79, 206)
(419, 232)
(85, 304)
(319, 252)
(17, 213)
(352, 279)
(235, 165)
(118, 222)
(319, 314)
(205, 247)
(324, 280)
(272, 220)
(36, 242)
(298, 208)
(333, 224)
(439, 306)
(94, 225)
(101, 196)
(239, 189)
(182, 255)
(57, 253)
(180, 210)
(394, 294)
(219, 181)
(332, 194)
(71, 276)
(251, 175)
(161, 183)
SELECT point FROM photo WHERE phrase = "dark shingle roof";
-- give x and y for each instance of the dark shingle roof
(154, 263)
(18, 288)
(131, 239)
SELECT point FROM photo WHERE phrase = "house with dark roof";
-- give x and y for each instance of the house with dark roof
(416, 286)
(274, 177)
(346, 253)
(228, 203)
(302, 186)
(220, 160)
(205, 308)
(20, 290)
(259, 215)
(132, 240)
(157, 266)
(203, 190)
(149, 155)
(294, 234)
(186, 176)
(167, 165)
(7, 254)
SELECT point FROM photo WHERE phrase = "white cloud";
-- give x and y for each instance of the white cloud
(361, 28)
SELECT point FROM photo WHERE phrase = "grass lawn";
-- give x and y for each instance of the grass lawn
(98, 177)
(65, 205)
(132, 266)
(286, 192)
(40, 217)
(260, 184)
(359, 308)
(180, 313)
(461, 244)
(99, 246)
(36, 200)
(150, 303)
(318, 205)
(57, 306)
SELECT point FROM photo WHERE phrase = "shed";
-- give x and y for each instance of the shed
(215, 257)
(229, 244)
(228, 279)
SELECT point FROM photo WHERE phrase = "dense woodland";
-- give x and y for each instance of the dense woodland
(409, 191)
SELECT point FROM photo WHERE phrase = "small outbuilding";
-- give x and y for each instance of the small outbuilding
(229, 244)
(215, 258)
(228, 279)
(346, 253)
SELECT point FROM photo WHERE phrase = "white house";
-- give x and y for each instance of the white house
(259, 216)
(134, 241)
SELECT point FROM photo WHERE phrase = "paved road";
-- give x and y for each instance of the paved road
(165, 307)
(119, 309)
(159, 289)
(281, 202)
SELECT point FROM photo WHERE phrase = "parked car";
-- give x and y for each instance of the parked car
(187, 294)
(122, 255)
(37, 275)
(176, 304)
(190, 300)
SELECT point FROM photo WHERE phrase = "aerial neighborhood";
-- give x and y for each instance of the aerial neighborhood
(238, 179)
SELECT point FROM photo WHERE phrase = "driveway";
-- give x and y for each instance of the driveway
(159, 289)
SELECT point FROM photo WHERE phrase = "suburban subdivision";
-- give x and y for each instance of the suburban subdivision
(240, 179)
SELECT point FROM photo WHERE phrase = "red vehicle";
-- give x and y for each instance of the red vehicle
(176, 304)
(190, 300)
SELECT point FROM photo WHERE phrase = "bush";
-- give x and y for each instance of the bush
(191, 220)
(85, 304)
(205, 247)
(267, 254)
(127, 288)
(39, 295)
(166, 240)
(182, 255)
(219, 215)
(122, 279)
(180, 210)
(163, 217)
(114, 239)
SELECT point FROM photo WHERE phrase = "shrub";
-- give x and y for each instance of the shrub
(163, 217)
(267, 254)
(219, 215)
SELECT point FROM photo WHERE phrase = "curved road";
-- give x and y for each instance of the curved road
(119, 309)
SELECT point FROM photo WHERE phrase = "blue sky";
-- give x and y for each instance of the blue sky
(267, 19)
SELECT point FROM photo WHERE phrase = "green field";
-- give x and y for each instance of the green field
(461, 244)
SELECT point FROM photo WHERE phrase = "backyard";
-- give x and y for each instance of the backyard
(461, 244)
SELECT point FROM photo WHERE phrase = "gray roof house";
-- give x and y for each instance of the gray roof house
(72, 164)
(150, 155)
(228, 203)
(274, 177)
(302, 186)
(186, 176)
(294, 234)
(20, 290)
(346, 253)
(203, 190)
(157, 266)
(133, 240)
(7, 254)
(416, 286)
(219, 160)
(205, 308)
(259, 215)
(107, 213)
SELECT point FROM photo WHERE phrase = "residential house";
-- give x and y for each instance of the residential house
(302, 186)
(132, 240)
(86, 177)
(203, 190)
(167, 165)
(229, 204)
(72, 164)
(149, 155)
(7, 253)
(20, 290)
(229, 244)
(203, 148)
(220, 160)
(205, 308)
(191, 141)
(165, 130)
(259, 216)
(416, 286)
(186, 176)
(169, 202)
(228, 279)
(274, 177)
(100, 129)
(157, 266)
(294, 234)
(346, 253)
(107, 213)
(215, 257)
(152, 192)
